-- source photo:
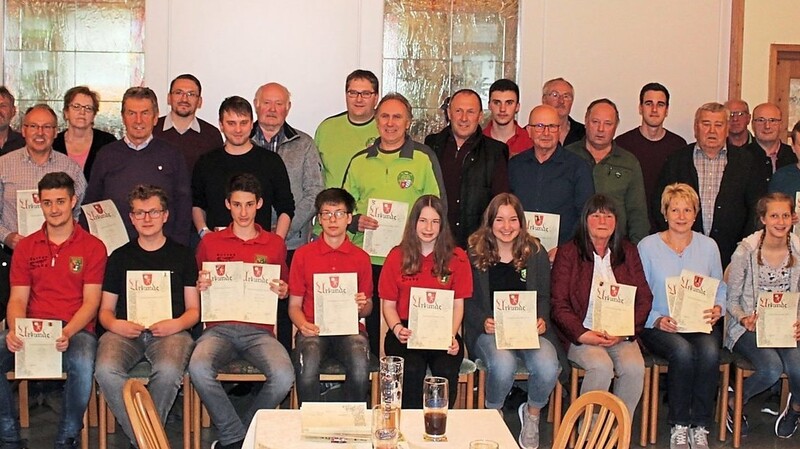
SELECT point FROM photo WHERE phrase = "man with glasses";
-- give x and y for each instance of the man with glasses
(767, 150)
(341, 136)
(503, 126)
(650, 142)
(10, 140)
(560, 94)
(738, 134)
(140, 158)
(549, 179)
(165, 344)
(21, 170)
(181, 127)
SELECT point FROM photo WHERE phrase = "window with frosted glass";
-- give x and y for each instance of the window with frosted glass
(51, 46)
(433, 48)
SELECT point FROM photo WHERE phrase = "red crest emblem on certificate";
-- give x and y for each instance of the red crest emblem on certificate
(257, 270)
(334, 281)
(538, 219)
(37, 326)
(513, 298)
(430, 297)
(698, 281)
(220, 270)
(614, 290)
(98, 207)
(387, 208)
(35, 198)
(147, 278)
(777, 297)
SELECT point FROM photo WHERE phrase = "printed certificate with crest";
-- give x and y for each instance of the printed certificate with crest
(39, 358)
(777, 313)
(240, 292)
(391, 216)
(29, 212)
(545, 227)
(149, 296)
(260, 304)
(515, 320)
(613, 310)
(430, 318)
(696, 295)
(105, 223)
(673, 286)
(335, 308)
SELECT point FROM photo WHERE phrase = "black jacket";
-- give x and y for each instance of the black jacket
(762, 165)
(734, 208)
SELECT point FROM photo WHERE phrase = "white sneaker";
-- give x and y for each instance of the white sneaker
(679, 437)
(699, 438)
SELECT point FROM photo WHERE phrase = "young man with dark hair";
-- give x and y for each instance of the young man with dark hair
(503, 126)
(225, 341)
(166, 344)
(56, 274)
(332, 253)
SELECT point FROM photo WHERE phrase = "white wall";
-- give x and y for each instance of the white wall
(606, 49)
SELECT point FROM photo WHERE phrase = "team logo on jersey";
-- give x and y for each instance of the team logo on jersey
(147, 278)
(35, 198)
(37, 326)
(698, 281)
(260, 258)
(538, 219)
(513, 298)
(777, 297)
(443, 279)
(523, 274)
(369, 142)
(614, 290)
(257, 270)
(405, 179)
(430, 297)
(220, 269)
(76, 264)
(334, 281)
(98, 207)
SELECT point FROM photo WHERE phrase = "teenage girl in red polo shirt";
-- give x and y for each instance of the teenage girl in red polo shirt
(426, 257)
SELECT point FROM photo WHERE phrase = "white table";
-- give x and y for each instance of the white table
(463, 426)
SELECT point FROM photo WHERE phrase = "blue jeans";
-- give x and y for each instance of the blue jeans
(769, 364)
(168, 357)
(693, 374)
(352, 351)
(222, 344)
(542, 365)
(78, 363)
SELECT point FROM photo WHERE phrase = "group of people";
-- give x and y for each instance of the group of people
(269, 193)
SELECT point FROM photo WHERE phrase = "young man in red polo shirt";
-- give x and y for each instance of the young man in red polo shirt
(56, 274)
(330, 254)
(225, 341)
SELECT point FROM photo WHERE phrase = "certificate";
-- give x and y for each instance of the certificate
(613, 309)
(106, 224)
(39, 358)
(545, 227)
(515, 321)
(777, 313)
(335, 307)
(673, 284)
(149, 297)
(260, 302)
(240, 292)
(430, 318)
(29, 212)
(696, 295)
(349, 420)
(391, 216)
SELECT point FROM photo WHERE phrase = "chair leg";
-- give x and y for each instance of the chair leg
(470, 391)
(737, 407)
(573, 395)
(558, 393)
(294, 402)
(724, 381)
(187, 412)
(24, 411)
(784, 391)
(205, 418)
(654, 402)
(112, 421)
(551, 401)
(93, 406)
(196, 405)
(375, 388)
(102, 418)
(85, 430)
(646, 403)
(481, 389)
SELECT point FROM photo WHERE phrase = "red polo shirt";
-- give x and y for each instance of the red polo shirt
(56, 274)
(225, 246)
(518, 143)
(394, 286)
(318, 257)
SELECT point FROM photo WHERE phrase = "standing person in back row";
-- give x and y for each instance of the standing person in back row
(503, 126)
(560, 94)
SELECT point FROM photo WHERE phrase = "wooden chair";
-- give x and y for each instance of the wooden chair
(743, 368)
(609, 423)
(144, 418)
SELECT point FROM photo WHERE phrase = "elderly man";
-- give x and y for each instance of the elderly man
(723, 179)
(10, 140)
(191, 135)
(738, 134)
(140, 158)
(301, 157)
(616, 171)
(21, 170)
(549, 179)
(650, 142)
(767, 150)
(474, 167)
(341, 136)
(503, 126)
(560, 94)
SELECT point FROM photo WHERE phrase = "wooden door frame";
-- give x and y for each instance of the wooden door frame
(737, 45)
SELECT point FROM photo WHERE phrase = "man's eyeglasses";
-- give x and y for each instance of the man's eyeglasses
(89, 109)
(738, 114)
(762, 120)
(566, 96)
(140, 214)
(540, 127)
(365, 94)
(327, 215)
(37, 127)
(180, 93)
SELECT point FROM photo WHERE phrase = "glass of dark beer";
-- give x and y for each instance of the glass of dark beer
(434, 408)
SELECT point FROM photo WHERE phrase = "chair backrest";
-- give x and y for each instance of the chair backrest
(143, 416)
(610, 423)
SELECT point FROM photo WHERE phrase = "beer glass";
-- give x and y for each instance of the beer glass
(483, 444)
(434, 407)
(385, 427)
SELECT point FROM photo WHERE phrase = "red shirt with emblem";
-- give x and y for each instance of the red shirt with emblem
(318, 257)
(394, 286)
(56, 274)
(518, 143)
(225, 246)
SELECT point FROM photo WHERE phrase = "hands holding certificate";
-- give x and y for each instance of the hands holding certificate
(668, 324)
(278, 286)
(489, 326)
(366, 222)
(595, 338)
